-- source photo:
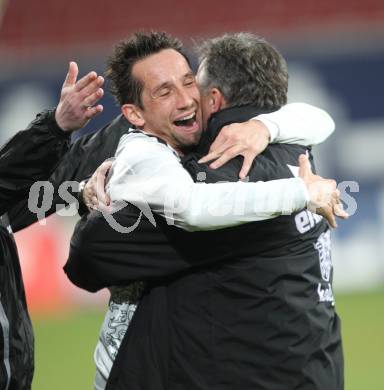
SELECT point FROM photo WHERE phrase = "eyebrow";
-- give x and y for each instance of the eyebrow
(189, 74)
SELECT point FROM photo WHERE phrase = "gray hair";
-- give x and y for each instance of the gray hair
(246, 69)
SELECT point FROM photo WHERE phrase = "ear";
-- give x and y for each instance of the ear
(133, 114)
(216, 100)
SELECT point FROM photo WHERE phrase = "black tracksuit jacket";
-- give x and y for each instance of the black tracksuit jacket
(249, 307)
(38, 153)
(29, 156)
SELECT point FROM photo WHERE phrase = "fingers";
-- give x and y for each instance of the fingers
(247, 139)
(100, 188)
(94, 202)
(305, 169)
(71, 77)
(214, 152)
(107, 200)
(209, 157)
(93, 86)
(86, 80)
(105, 209)
(337, 206)
(247, 163)
(339, 211)
(229, 154)
(329, 204)
(94, 192)
(93, 98)
(88, 104)
(101, 176)
(222, 139)
(89, 96)
(331, 212)
(327, 213)
(223, 157)
(93, 111)
(88, 195)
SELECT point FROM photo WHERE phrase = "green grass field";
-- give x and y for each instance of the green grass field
(64, 346)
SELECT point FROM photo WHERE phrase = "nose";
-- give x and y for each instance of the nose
(184, 98)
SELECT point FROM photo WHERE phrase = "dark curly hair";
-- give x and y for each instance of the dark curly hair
(123, 86)
(246, 69)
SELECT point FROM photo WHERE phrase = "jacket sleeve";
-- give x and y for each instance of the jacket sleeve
(298, 123)
(126, 247)
(113, 250)
(118, 251)
(83, 158)
(30, 156)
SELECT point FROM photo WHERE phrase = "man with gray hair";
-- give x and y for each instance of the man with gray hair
(276, 327)
(233, 315)
(240, 66)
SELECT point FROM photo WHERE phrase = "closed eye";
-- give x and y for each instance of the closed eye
(190, 80)
(163, 92)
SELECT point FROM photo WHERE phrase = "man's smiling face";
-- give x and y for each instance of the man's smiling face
(170, 99)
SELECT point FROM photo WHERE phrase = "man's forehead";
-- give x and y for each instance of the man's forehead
(165, 66)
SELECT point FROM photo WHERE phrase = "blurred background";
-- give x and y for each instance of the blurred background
(335, 54)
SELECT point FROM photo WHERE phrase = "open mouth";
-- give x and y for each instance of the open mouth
(186, 121)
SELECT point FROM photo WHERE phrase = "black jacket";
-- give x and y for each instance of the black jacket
(248, 307)
(29, 156)
(38, 153)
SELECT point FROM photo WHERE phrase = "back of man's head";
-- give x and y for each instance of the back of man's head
(123, 86)
(246, 69)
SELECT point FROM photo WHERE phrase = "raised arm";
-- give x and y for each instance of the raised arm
(32, 155)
